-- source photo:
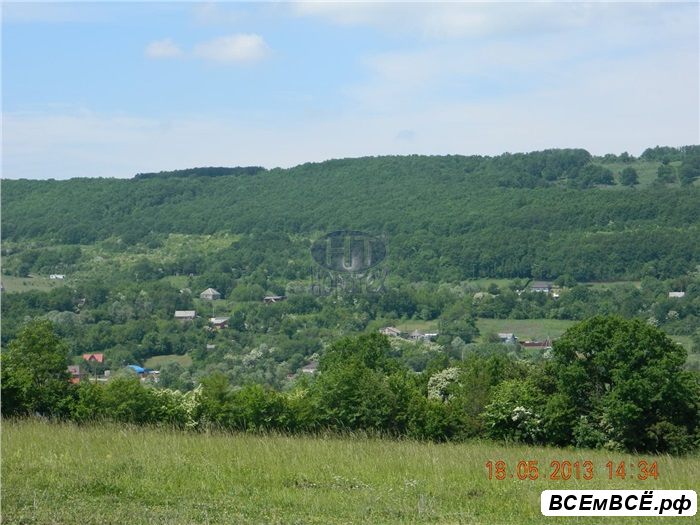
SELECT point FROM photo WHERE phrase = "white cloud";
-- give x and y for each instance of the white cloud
(165, 48)
(211, 13)
(441, 20)
(233, 49)
(453, 20)
(47, 12)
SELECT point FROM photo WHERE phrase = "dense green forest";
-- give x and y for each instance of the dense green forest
(540, 215)
(466, 237)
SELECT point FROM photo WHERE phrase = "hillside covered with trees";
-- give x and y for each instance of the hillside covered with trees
(539, 215)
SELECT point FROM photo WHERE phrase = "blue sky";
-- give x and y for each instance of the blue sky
(113, 89)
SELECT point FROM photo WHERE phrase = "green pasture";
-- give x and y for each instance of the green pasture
(62, 473)
(28, 284)
(160, 360)
(524, 329)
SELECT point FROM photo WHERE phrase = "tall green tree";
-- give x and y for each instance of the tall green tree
(622, 384)
(35, 373)
(629, 177)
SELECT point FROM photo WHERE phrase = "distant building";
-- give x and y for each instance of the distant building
(269, 299)
(219, 322)
(145, 374)
(58, 276)
(75, 375)
(185, 315)
(138, 369)
(507, 338)
(541, 286)
(676, 295)
(210, 294)
(94, 358)
(390, 331)
(310, 368)
(416, 335)
(537, 345)
(211, 346)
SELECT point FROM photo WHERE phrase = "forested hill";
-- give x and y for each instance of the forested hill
(541, 214)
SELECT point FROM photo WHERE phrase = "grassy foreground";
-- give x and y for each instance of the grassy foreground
(61, 473)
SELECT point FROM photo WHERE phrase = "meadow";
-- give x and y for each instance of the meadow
(62, 473)
(12, 283)
(524, 329)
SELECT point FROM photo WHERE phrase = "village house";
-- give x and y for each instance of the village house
(145, 374)
(390, 331)
(94, 358)
(507, 338)
(185, 315)
(75, 374)
(219, 322)
(57, 276)
(417, 335)
(541, 287)
(310, 368)
(537, 345)
(210, 295)
(676, 295)
(269, 299)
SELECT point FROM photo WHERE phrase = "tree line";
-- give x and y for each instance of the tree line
(610, 383)
(539, 215)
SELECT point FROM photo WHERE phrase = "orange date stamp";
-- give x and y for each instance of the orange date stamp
(562, 470)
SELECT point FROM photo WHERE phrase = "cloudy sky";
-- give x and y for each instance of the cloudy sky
(113, 89)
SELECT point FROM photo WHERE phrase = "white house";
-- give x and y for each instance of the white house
(390, 331)
(210, 294)
(219, 322)
(541, 286)
(269, 299)
(185, 315)
(676, 295)
(310, 368)
(507, 338)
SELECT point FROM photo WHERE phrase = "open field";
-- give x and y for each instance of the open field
(107, 474)
(524, 329)
(28, 284)
(685, 340)
(612, 284)
(646, 170)
(159, 360)
(417, 324)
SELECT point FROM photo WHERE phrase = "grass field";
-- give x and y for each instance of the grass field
(27, 284)
(685, 340)
(64, 474)
(418, 324)
(612, 284)
(159, 360)
(524, 329)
